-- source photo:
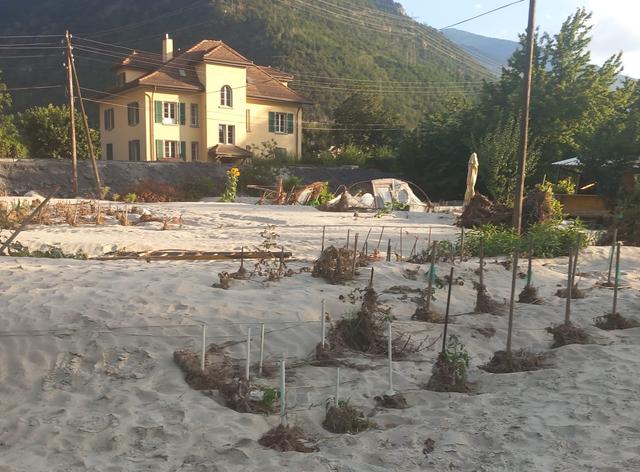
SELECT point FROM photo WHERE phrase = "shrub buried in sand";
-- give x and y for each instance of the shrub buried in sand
(335, 265)
(613, 321)
(344, 418)
(565, 334)
(521, 361)
(287, 438)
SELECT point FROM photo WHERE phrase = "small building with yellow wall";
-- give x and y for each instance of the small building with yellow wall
(206, 103)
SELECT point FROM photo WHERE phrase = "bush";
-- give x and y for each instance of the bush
(194, 190)
(290, 183)
(151, 191)
(263, 172)
(547, 239)
(628, 218)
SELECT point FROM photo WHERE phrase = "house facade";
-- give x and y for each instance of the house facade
(204, 104)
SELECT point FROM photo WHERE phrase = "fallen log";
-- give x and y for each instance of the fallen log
(178, 255)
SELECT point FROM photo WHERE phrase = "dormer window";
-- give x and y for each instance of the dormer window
(226, 96)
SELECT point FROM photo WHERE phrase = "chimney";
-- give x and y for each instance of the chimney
(167, 48)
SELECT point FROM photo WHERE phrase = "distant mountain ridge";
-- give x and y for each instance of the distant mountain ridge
(493, 53)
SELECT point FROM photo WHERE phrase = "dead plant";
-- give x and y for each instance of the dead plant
(521, 361)
(225, 281)
(486, 304)
(395, 401)
(486, 331)
(345, 418)
(219, 368)
(575, 293)
(335, 265)
(428, 316)
(529, 295)
(243, 397)
(288, 438)
(612, 321)
(565, 334)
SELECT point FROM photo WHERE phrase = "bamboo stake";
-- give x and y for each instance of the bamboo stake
(481, 263)
(322, 246)
(462, 244)
(613, 245)
(616, 282)
(204, 347)
(337, 399)
(380, 238)
(446, 315)
(371, 279)
(389, 251)
(429, 239)
(366, 240)
(348, 237)
(323, 328)
(514, 276)
(283, 394)
(413, 249)
(355, 256)
(432, 272)
(567, 308)
(390, 392)
(529, 262)
(261, 349)
(247, 366)
(401, 255)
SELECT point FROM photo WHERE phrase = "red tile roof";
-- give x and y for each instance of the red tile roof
(263, 82)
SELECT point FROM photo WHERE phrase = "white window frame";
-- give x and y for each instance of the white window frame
(280, 125)
(169, 113)
(195, 117)
(227, 133)
(195, 151)
(226, 97)
(133, 111)
(169, 146)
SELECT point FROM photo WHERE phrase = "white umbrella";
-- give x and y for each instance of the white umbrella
(472, 175)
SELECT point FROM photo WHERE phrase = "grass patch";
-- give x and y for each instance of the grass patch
(345, 418)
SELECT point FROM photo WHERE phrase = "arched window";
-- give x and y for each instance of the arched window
(226, 96)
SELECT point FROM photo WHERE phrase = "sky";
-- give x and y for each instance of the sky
(614, 22)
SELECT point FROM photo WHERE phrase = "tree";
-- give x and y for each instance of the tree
(10, 145)
(497, 151)
(366, 122)
(45, 131)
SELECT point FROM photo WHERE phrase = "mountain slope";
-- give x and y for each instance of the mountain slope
(492, 53)
(334, 47)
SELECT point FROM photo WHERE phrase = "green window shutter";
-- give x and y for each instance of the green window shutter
(130, 151)
(183, 113)
(158, 105)
(272, 122)
(183, 150)
(159, 149)
(289, 123)
(109, 152)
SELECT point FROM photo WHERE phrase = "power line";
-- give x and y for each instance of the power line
(32, 36)
(38, 87)
(481, 15)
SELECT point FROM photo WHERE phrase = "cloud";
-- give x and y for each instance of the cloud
(615, 29)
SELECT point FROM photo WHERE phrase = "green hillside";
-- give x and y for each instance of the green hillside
(333, 47)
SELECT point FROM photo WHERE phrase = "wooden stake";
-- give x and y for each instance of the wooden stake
(462, 244)
(529, 262)
(204, 347)
(401, 255)
(429, 238)
(389, 251)
(446, 315)
(322, 246)
(390, 392)
(72, 117)
(355, 256)
(514, 276)
(613, 245)
(348, 238)
(366, 240)
(337, 399)
(323, 329)
(380, 239)
(247, 366)
(432, 271)
(371, 279)
(616, 282)
(567, 308)
(481, 263)
(283, 394)
(261, 349)
(413, 249)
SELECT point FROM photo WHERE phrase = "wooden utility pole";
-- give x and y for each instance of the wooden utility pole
(85, 122)
(72, 117)
(524, 119)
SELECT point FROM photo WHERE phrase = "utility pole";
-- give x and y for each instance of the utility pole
(72, 118)
(94, 165)
(524, 120)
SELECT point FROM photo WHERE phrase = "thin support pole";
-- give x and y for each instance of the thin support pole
(514, 276)
(429, 238)
(204, 347)
(481, 263)
(389, 251)
(323, 325)
(241, 258)
(613, 246)
(355, 256)
(283, 394)
(248, 363)
(390, 392)
(413, 249)
(446, 315)
(432, 273)
(462, 244)
(529, 262)
(261, 350)
(567, 308)
(401, 254)
(72, 116)
(380, 238)
(322, 246)
(524, 119)
(337, 399)
(371, 279)
(348, 237)
(366, 240)
(616, 282)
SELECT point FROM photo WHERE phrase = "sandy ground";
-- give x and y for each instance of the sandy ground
(87, 379)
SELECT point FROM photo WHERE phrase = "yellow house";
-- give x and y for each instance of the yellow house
(206, 103)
